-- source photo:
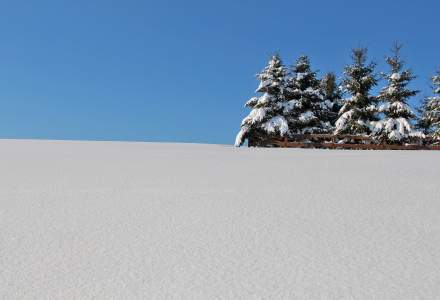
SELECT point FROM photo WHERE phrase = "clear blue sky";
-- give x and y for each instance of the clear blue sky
(180, 70)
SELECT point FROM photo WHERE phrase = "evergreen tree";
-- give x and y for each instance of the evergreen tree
(266, 116)
(360, 109)
(332, 98)
(423, 122)
(304, 107)
(396, 126)
(429, 120)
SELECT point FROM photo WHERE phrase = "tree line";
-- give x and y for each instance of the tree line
(295, 101)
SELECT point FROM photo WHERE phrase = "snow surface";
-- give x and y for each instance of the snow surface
(114, 220)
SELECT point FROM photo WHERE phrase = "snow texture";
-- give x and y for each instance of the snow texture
(345, 117)
(113, 220)
(396, 129)
(306, 116)
(395, 76)
(397, 107)
(276, 124)
(239, 139)
(256, 115)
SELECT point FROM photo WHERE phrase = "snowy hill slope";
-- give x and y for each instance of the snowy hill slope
(113, 220)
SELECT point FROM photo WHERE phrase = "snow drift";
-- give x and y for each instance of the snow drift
(85, 220)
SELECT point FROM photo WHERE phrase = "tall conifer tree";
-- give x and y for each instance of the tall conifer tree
(305, 100)
(266, 116)
(396, 126)
(429, 120)
(359, 110)
(332, 98)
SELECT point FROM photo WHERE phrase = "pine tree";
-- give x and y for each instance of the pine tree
(304, 107)
(429, 120)
(396, 126)
(360, 109)
(266, 117)
(332, 98)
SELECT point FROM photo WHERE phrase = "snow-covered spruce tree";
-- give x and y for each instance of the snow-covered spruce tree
(423, 121)
(266, 117)
(396, 126)
(429, 120)
(304, 108)
(359, 110)
(332, 98)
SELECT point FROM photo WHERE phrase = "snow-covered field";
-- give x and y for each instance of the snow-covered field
(113, 220)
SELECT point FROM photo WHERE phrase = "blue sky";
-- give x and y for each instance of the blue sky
(181, 70)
